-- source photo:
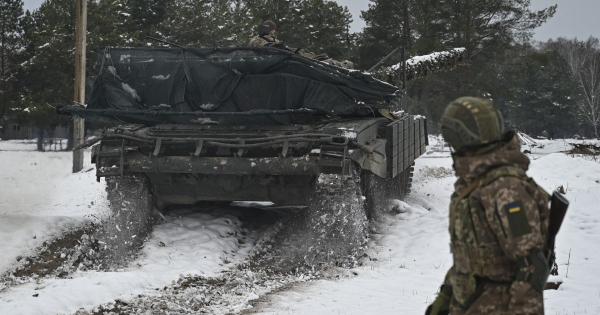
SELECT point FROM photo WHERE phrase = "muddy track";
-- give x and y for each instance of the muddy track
(290, 249)
(57, 258)
(79, 249)
(233, 291)
(267, 270)
(104, 245)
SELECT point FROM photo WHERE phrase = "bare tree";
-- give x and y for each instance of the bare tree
(583, 59)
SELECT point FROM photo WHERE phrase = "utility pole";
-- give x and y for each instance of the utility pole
(406, 45)
(406, 27)
(79, 97)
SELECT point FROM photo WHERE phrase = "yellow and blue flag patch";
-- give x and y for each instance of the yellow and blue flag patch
(517, 219)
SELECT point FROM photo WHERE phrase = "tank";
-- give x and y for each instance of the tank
(252, 124)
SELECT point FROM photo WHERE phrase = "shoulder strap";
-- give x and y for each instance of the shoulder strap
(503, 171)
(491, 176)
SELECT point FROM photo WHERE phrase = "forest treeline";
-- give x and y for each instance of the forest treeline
(550, 88)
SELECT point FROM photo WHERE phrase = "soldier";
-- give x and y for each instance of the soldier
(498, 219)
(266, 36)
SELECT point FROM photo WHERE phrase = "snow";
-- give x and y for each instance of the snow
(125, 58)
(348, 133)
(429, 58)
(197, 244)
(412, 256)
(18, 145)
(208, 106)
(204, 121)
(127, 88)
(161, 77)
(112, 70)
(41, 199)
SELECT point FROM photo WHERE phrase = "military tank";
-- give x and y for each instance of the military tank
(252, 124)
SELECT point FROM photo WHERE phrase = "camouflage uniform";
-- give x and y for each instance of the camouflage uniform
(259, 41)
(497, 215)
(498, 229)
(266, 38)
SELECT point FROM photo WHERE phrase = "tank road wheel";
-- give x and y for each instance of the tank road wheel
(131, 215)
(336, 220)
(376, 191)
(380, 192)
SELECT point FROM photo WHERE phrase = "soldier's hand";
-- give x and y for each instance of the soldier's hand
(441, 305)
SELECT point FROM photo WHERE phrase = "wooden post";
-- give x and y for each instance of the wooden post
(79, 98)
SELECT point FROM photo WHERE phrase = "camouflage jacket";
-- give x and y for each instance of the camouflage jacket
(263, 41)
(497, 216)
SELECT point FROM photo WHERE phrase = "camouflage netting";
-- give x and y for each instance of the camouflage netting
(420, 66)
(229, 80)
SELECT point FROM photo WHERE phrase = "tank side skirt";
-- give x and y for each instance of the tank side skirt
(406, 140)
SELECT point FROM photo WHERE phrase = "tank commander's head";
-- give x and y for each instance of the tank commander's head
(267, 28)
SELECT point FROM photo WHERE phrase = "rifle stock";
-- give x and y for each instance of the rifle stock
(558, 209)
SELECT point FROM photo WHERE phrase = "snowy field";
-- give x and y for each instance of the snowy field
(40, 199)
(412, 256)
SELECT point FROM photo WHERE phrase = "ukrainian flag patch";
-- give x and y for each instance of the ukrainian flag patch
(517, 219)
(514, 209)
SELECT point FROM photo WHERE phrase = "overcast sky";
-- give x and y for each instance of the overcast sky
(574, 18)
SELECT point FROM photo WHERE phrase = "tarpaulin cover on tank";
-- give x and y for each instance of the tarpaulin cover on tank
(229, 80)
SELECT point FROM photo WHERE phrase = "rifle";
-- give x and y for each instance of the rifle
(558, 209)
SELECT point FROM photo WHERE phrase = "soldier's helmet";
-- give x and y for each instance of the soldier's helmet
(267, 27)
(471, 122)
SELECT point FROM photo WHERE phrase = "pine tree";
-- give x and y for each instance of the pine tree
(535, 83)
(109, 24)
(143, 18)
(316, 25)
(319, 26)
(200, 23)
(47, 74)
(389, 25)
(11, 12)
(323, 27)
(487, 28)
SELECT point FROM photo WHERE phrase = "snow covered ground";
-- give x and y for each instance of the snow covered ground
(40, 199)
(198, 244)
(412, 256)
